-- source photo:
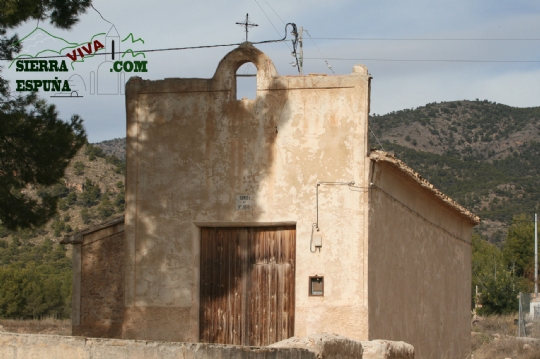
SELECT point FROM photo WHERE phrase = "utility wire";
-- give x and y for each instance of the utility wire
(123, 52)
(271, 23)
(270, 6)
(373, 133)
(316, 224)
(294, 43)
(101, 15)
(296, 34)
(327, 64)
(422, 60)
(417, 39)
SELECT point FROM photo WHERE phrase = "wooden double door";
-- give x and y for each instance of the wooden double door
(247, 285)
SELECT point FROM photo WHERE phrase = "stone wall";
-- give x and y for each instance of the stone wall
(98, 281)
(26, 346)
(330, 346)
(102, 288)
(318, 346)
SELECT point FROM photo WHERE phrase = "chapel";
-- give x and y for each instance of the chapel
(249, 221)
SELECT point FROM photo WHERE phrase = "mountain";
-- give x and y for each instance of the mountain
(484, 155)
(115, 147)
(91, 191)
(35, 269)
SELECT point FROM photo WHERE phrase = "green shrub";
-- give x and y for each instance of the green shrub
(78, 168)
(93, 151)
(90, 195)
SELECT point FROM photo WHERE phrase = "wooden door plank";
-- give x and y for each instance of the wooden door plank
(255, 315)
(218, 284)
(223, 273)
(291, 240)
(273, 294)
(214, 289)
(247, 285)
(263, 305)
(280, 288)
(225, 286)
(234, 298)
(245, 279)
(270, 235)
(203, 318)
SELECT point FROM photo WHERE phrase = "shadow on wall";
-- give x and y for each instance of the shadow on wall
(102, 292)
(196, 146)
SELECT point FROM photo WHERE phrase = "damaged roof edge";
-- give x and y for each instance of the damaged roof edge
(386, 157)
(77, 237)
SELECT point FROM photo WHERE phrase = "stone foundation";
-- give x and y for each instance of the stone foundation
(318, 346)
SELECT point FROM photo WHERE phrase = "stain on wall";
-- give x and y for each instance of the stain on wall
(192, 148)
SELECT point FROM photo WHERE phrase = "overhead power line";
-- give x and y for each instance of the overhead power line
(123, 52)
(420, 60)
(325, 61)
(294, 43)
(271, 23)
(418, 39)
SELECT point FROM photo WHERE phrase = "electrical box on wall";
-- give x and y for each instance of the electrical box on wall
(317, 240)
(316, 286)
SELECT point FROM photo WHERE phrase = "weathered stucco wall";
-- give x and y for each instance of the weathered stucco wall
(192, 147)
(419, 266)
(98, 281)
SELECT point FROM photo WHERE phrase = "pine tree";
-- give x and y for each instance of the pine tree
(496, 281)
(105, 208)
(519, 246)
(90, 194)
(35, 145)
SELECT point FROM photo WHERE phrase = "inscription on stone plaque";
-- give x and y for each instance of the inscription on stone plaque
(244, 201)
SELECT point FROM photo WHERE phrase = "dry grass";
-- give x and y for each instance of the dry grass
(496, 324)
(505, 348)
(494, 337)
(37, 326)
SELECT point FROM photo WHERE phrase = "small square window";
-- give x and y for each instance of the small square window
(316, 286)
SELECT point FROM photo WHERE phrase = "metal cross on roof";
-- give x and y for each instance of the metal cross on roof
(246, 24)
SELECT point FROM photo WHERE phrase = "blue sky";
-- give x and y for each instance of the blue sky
(396, 84)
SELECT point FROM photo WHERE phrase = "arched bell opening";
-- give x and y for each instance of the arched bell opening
(246, 81)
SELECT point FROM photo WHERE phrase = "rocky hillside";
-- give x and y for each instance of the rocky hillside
(115, 147)
(35, 270)
(479, 129)
(483, 154)
(91, 191)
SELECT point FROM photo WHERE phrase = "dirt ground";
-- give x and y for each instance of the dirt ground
(494, 337)
(36, 326)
